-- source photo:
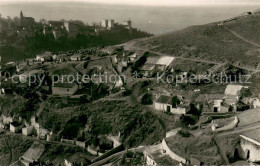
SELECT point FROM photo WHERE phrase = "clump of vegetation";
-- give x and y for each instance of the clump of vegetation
(147, 99)
(242, 106)
(14, 144)
(188, 120)
(145, 83)
(14, 105)
(184, 133)
(175, 101)
(55, 154)
(127, 92)
(194, 110)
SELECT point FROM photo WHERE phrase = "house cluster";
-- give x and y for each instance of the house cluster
(155, 64)
(105, 144)
(68, 29)
(221, 103)
(49, 57)
(212, 103)
(26, 128)
(124, 61)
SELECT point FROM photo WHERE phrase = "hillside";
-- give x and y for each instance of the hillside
(104, 117)
(235, 41)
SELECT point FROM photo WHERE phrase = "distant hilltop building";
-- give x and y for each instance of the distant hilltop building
(59, 29)
(108, 23)
(127, 24)
(71, 28)
(26, 21)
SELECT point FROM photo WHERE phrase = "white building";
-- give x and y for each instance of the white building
(256, 103)
(76, 57)
(233, 90)
(15, 127)
(104, 23)
(64, 89)
(67, 163)
(111, 23)
(164, 104)
(46, 56)
(27, 130)
(249, 148)
(218, 106)
(127, 24)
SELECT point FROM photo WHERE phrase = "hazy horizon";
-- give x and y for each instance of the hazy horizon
(150, 2)
(152, 19)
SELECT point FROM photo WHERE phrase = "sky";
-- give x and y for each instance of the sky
(152, 2)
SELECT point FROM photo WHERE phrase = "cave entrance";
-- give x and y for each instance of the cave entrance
(247, 154)
(236, 154)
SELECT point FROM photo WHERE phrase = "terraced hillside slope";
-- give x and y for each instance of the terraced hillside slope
(235, 40)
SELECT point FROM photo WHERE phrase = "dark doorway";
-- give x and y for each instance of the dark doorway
(168, 108)
(248, 154)
(215, 109)
(236, 154)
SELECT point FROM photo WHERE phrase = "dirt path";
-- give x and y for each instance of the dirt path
(242, 38)
(241, 129)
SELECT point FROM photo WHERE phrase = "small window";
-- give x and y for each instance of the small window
(68, 90)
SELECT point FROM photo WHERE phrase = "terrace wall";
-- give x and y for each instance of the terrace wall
(173, 155)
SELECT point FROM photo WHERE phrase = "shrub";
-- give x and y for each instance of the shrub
(147, 99)
(127, 92)
(194, 110)
(175, 101)
(188, 120)
(184, 133)
(242, 106)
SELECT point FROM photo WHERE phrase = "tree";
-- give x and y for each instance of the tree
(147, 99)
(175, 101)
(242, 106)
(194, 110)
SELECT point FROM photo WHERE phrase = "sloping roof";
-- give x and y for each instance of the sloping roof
(148, 67)
(233, 89)
(164, 99)
(164, 60)
(253, 134)
(152, 60)
(34, 152)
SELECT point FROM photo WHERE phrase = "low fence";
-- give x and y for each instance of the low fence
(230, 126)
